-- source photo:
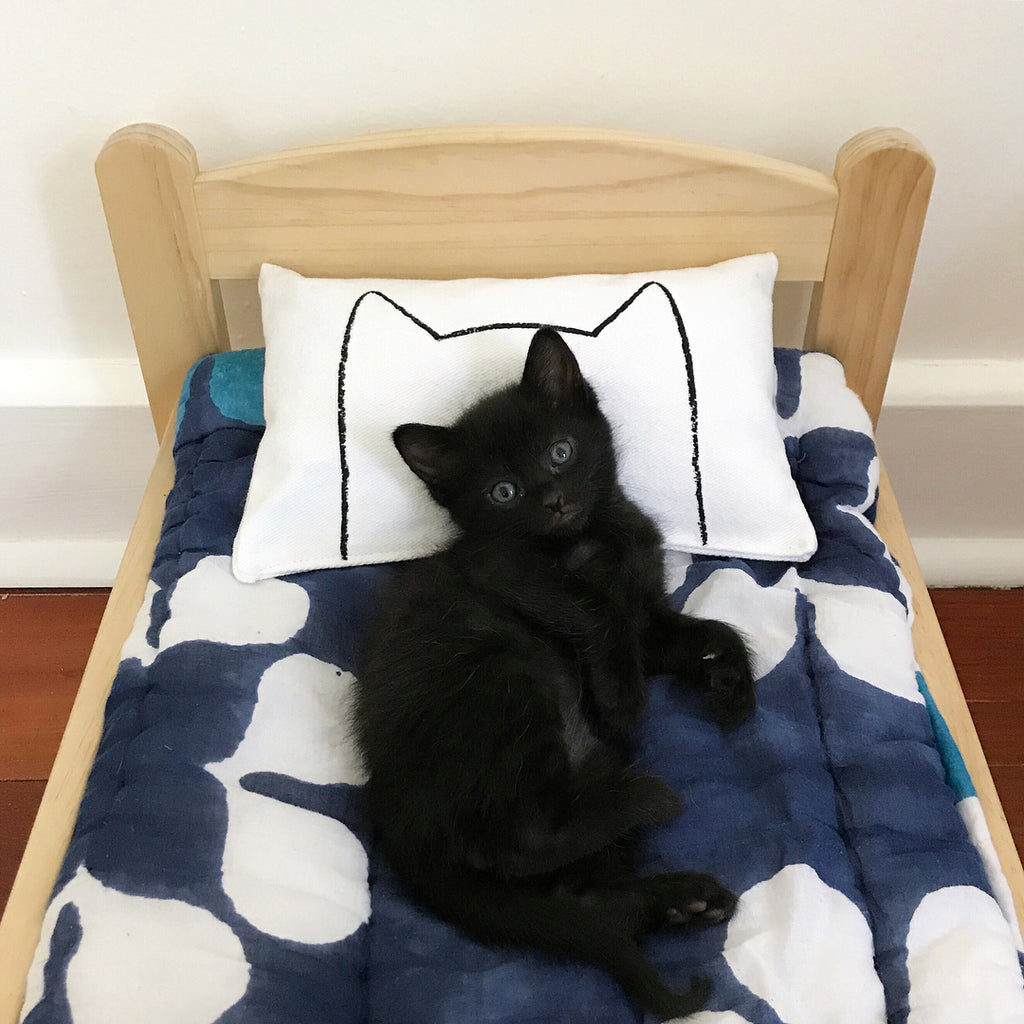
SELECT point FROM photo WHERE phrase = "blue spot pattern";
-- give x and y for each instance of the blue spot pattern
(832, 771)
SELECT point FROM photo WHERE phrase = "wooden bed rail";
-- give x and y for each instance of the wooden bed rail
(885, 179)
(147, 178)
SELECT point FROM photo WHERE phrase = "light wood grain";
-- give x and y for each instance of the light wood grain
(885, 179)
(937, 667)
(146, 176)
(511, 202)
(51, 833)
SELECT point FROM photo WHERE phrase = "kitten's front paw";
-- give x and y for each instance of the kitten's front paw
(728, 677)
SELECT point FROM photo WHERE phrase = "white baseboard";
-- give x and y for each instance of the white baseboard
(970, 562)
(76, 446)
(79, 445)
(951, 434)
(50, 383)
(956, 383)
(47, 564)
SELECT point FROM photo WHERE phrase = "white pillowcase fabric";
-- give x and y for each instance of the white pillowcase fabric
(681, 361)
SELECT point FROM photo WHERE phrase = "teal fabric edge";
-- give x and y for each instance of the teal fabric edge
(957, 776)
(235, 388)
(236, 385)
(186, 391)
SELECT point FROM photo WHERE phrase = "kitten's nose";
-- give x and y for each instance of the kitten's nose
(561, 509)
(555, 502)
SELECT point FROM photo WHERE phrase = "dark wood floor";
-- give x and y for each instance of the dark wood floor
(985, 633)
(45, 638)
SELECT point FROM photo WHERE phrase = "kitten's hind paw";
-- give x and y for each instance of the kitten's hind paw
(687, 899)
(728, 677)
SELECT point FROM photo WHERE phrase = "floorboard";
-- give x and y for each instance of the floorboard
(18, 803)
(999, 725)
(984, 630)
(45, 639)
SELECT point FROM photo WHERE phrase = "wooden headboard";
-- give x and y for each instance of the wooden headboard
(509, 202)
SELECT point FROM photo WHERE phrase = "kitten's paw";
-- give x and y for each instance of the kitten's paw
(689, 898)
(728, 677)
(714, 906)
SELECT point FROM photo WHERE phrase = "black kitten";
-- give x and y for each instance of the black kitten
(504, 678)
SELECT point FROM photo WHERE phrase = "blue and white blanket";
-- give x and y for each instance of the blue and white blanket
(221, 867)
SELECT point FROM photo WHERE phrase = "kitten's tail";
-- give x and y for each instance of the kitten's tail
(563, 926)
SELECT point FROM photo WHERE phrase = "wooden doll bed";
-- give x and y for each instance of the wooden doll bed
(488, 201)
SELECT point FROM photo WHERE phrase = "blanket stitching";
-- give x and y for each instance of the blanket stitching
(856, 865)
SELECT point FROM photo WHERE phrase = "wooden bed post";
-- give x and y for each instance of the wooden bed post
(885, 178)
(146, 175)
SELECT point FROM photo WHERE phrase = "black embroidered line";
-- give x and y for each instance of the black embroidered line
(691, 383)
(342, 430)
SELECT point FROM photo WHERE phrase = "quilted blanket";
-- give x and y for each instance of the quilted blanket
(221, 868)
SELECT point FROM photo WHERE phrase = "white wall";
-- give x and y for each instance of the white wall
(793, 78)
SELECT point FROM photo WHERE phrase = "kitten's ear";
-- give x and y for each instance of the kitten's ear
(428, 451)
(552, 371)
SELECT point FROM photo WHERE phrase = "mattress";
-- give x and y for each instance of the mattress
(222, 867)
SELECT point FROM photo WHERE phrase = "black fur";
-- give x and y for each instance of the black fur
(504, 678)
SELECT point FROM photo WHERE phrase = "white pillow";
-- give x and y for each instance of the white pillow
(349, 360)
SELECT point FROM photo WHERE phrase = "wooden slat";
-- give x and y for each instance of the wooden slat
(48, 841)
(885, 180)
(146, 175)
(937, 667)
(511, 202)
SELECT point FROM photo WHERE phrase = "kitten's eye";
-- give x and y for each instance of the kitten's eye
(561, 452)
(504, 492)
